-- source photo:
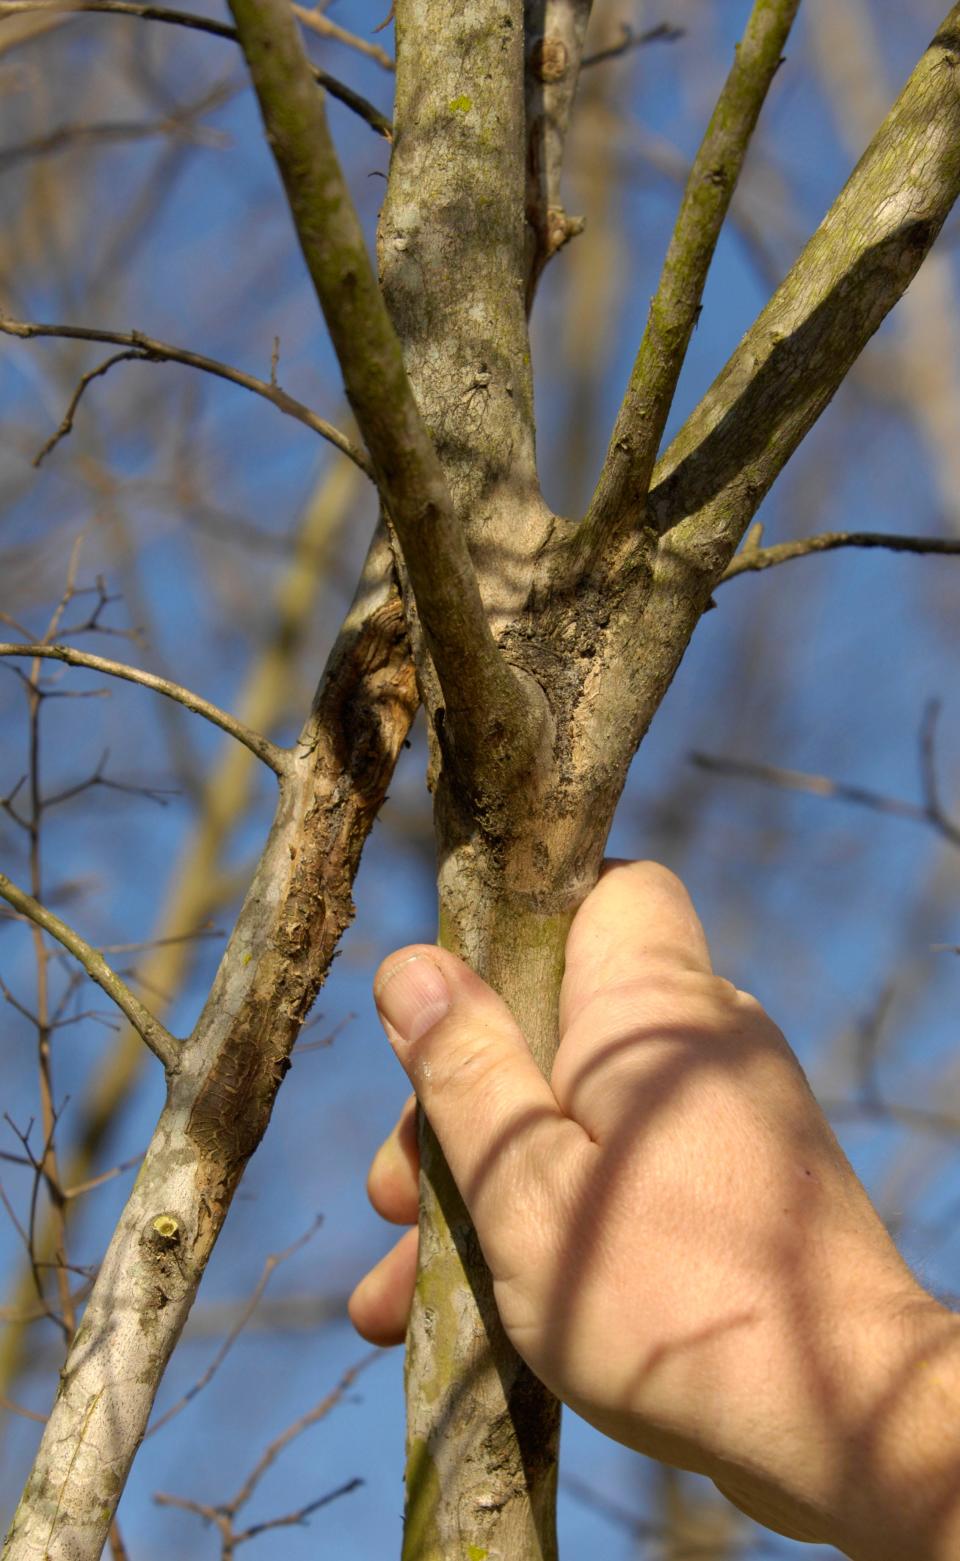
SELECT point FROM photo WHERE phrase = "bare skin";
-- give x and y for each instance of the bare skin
(680, 1249)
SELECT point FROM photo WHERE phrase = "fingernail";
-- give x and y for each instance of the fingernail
(413, 998)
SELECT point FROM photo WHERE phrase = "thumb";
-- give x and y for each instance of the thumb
(495, 1116)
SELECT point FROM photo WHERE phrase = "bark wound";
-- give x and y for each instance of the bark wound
(232, 1109)
(364, 712)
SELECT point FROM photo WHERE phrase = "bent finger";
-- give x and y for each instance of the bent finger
(379, 1307)
(395, 1169)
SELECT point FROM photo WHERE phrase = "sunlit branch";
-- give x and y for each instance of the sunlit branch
(753, 556)
(204, 24)
(550, 85)
(270, 753)
(159, 1039)
(148, 350)
(621, 492)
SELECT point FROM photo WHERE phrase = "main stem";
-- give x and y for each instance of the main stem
(482, 1432)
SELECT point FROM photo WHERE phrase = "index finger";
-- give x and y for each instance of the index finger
(638, 918)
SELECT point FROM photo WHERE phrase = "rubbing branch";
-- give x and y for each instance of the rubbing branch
(159, 1040)
(487, 716)
(621, 492)
(148, 350)
(785, 371)
(204, 24)
(753, 556)
(276, 758)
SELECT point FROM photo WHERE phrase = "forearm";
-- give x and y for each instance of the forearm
(904, 1489)
(871, 1464)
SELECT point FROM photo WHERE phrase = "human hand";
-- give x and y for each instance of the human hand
(679, 1248)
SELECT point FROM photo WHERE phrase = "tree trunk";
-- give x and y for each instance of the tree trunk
(482, 1432)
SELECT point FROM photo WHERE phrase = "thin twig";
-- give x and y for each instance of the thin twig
(664, 32)
(162, 13)
(178, 123)
(272, 755)
(752, 556)
(159, 1039)
(619, 499)
(823, 786)
(289, 1519)
(105, 1176)
(148, 350)
(19, 1409)
(929, 781)
(223, 1515)
(321, 24)
(161, 943)
(319, 1412)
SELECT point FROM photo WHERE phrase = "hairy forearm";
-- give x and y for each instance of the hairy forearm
(865, 1449)
(906, 1492)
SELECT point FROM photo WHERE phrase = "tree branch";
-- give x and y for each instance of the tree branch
(276, 758)
(162, 13)
(453, 248)
(147, 349)
(487, 713)
(319, 23)
(785, 371)
(752, 556)
(159, 1040)
(619, 500)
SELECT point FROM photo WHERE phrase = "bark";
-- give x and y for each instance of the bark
(541, 661)
(219, 1099)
